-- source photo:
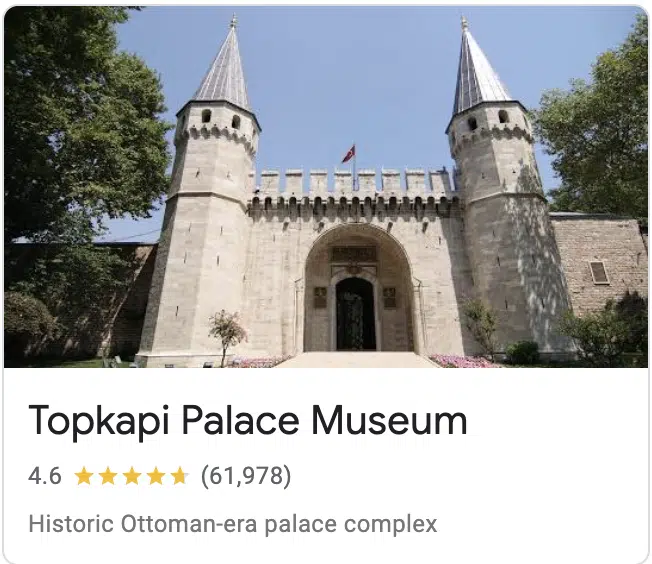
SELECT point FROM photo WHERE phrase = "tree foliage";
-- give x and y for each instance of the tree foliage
(525, 353)
(226, 327)
(26, 315)
(70, 279)
(597, 133)
(603, 337)
(25, 319)
(482, 322)
(84, 138)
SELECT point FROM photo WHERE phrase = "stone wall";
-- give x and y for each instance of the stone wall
(615, 241)
(421, 254)
(425, 258)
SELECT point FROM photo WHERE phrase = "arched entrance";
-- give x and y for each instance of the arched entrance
(358, 292)
(356, 321)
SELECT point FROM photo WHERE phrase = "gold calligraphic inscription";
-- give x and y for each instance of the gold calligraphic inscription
(353, 254)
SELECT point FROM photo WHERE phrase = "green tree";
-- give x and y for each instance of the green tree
(482, 322)
(84, 138)
(84, 142)
(226, 327)
(597, 133)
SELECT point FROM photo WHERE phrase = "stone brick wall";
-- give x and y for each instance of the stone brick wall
(278, 288)
(615, 241)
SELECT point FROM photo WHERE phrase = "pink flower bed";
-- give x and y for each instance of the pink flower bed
(454, 361)
(267, 362)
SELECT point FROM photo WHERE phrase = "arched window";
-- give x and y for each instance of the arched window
(235, 122)
(473, 123)
(206, 116)
(503, 116)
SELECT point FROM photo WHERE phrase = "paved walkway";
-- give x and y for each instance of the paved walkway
(362, 359)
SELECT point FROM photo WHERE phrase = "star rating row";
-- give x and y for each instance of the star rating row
(155, 477)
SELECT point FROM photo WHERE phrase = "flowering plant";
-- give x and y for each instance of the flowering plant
(455, 361)
(265, 362)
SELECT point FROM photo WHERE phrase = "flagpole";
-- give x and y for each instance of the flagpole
(355, 161)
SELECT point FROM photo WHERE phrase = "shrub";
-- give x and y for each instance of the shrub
(605, 336)
(522, 352)
(26, 318)
(481, 322)
(632, 308)
(601, 337)
(227, 328)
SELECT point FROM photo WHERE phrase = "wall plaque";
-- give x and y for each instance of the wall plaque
(389, 298)
(319, 300)
(353, 254)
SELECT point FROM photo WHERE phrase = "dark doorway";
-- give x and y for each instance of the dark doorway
(356, 325)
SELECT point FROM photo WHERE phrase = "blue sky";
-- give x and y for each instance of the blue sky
(320, 78)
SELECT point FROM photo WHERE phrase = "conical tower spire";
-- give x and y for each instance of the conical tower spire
(476, 79)
(225, 79)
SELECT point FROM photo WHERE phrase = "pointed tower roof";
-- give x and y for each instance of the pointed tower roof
(476, 80)
(225, 79)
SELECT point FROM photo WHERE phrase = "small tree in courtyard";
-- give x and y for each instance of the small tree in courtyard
(481, 321)
(227, 328)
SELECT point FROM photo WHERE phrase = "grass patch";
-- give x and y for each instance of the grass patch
(59, 363)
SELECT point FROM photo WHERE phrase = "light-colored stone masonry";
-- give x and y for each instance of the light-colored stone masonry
(511, 246)
(266, 249)
(420, 244)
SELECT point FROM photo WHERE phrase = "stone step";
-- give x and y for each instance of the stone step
(360, 359)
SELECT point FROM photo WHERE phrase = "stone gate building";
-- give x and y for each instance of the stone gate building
(319, 263)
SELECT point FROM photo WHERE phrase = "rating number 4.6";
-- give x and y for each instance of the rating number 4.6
(55, 477)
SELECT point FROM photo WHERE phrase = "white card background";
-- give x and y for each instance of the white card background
(553, 468)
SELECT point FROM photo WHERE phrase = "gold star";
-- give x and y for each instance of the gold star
(179, 476)
(155, 476)
(132, 476)
(84, 477)
(107, 477)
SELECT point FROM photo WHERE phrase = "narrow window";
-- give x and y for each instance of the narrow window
(503, 117)
(599, 273)
(235, 122)
(473, 123)
(206, 116)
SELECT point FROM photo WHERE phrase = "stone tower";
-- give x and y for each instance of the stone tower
(511, 246)
(200, 262)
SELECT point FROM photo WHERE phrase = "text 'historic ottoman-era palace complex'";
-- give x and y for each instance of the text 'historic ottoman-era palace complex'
(382, 261)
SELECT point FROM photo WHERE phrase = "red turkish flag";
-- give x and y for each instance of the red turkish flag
(349, 155)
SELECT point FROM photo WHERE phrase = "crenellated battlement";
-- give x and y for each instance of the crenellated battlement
(424, 194)
(417, 183)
